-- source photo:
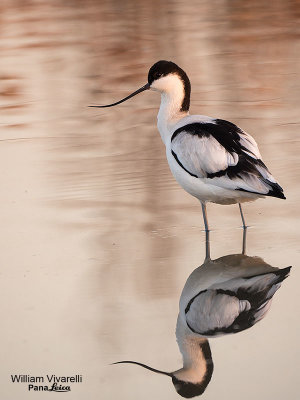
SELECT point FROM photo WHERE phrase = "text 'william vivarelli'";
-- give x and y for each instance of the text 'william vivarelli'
(54, 383)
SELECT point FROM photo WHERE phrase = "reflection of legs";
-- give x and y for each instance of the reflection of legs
(207, 246)
(203, 205)
(242, 215)
(244, 240)
(244, 230)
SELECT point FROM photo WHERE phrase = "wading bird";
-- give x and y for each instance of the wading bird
(212, 159)
(223, 296)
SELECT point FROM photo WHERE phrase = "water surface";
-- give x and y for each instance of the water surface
(97, 237)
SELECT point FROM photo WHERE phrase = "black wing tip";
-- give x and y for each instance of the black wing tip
(283, 273)
(276, 193)
(276, 190)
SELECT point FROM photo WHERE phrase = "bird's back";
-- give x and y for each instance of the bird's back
(217, 153)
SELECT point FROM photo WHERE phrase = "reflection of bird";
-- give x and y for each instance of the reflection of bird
(229, 294)
(212, 159)
(220, 297)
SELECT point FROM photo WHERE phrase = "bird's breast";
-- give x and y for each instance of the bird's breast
(197, 187)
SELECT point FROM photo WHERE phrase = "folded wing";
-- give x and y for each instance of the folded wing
(224, 155)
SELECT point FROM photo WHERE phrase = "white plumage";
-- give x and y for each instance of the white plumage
(230, 176)
(212, 159)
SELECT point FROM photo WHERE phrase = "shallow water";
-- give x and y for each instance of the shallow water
(97, 237)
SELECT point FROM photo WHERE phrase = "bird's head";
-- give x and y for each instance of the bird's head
(164, 77)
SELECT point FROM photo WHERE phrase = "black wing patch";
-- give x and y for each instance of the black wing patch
(182, 166)
(228, 135)
(225, 132)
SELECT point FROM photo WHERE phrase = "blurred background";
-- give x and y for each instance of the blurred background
(97, 237)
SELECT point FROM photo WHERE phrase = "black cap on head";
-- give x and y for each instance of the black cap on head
(164, 68)
(188, 389)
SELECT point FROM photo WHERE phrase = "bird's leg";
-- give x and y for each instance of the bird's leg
(242, 215)
(207, 244)
(203, 205)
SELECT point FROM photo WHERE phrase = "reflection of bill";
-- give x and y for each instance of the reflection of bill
(221, 297)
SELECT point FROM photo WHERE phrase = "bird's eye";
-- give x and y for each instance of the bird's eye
(157, 75)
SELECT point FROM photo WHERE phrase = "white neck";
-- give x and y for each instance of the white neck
(172, 95)
(195, 361)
